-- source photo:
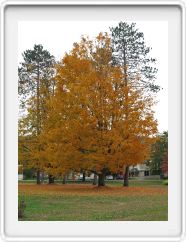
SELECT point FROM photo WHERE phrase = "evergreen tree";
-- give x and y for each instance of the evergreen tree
(159, 153)
(132, 55)
(36, 84)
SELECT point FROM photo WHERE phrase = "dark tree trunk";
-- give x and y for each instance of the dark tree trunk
(42, 176)
(95, 181)
(126, 177)
(38, 101)
(64, 179)
(83, 179)
(101, 179)
(50, 179)
(38, 177)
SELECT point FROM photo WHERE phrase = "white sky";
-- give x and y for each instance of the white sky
(58, 37)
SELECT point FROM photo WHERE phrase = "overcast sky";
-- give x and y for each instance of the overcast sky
(58, 37)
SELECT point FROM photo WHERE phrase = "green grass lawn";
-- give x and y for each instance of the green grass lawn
(132, 182)
(143, 201)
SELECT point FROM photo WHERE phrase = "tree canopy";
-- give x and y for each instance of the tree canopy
(93, 110)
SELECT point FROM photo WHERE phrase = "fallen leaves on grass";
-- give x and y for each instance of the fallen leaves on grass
(84, 190)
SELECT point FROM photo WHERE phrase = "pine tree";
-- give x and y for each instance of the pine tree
(132, 55)
(36, 85)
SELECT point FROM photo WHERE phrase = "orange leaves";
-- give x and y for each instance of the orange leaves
(86, 190)
(104, 122)
(94, 121)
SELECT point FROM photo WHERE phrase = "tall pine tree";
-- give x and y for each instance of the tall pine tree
(36, 84)
(132, 55)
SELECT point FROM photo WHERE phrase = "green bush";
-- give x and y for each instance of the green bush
(28, 173)
(165, 182)
(155, 172)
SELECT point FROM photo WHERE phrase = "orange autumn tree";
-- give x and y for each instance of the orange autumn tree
(59, 139)
(86, 128)
(30, 145)
(82, 107)
(138, 131)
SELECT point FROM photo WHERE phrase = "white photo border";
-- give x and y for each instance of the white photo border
(4, 5)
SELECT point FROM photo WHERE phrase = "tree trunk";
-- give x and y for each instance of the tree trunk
(126, 177)
(101, 179)
(38, 177)
(38, 101)
(95, 181)
(64, 179)
(50, 179)
(42, 176)
(83, 179)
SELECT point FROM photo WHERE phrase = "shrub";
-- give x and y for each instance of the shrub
(165, 182)
(28, 173)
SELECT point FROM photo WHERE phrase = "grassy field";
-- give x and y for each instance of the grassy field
(142, 201)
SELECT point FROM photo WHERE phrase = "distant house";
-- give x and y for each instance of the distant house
(139, 170)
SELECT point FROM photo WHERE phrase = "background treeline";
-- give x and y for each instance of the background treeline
(93, 110)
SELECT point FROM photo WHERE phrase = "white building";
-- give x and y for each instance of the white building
(139, 170)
